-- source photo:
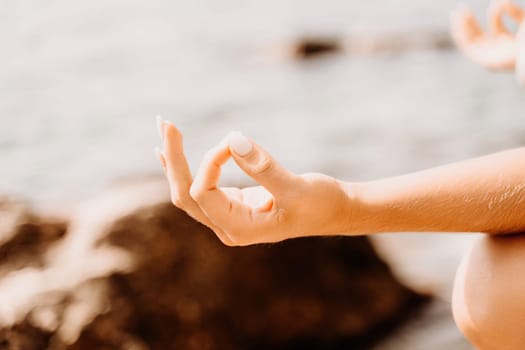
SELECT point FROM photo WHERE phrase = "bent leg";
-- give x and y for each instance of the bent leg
(489, 293)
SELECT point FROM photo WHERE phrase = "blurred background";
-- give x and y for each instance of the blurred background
(82, 82)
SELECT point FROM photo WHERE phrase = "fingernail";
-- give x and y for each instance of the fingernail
(239, 143)
(159, 126)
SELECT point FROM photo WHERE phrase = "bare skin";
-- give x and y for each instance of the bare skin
(485, 194)
(285, 205)
(488, 302)
(496, 48)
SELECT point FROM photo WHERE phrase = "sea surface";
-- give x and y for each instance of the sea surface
(82, 82)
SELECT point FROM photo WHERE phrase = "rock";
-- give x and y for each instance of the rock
(24, 337)
(370, 44)
(396, 43)
(313, 47)
(134, 272)
(24, 236)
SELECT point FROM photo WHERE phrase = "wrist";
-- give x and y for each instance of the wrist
(358, 216)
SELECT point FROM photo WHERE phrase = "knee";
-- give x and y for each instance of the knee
(489, 293)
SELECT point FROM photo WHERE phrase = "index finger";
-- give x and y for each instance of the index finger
(180, 179)
(465, 27)
(228, 213)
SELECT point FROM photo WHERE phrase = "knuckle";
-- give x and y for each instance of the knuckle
(281, 215)
(264, 165)
(209, 156)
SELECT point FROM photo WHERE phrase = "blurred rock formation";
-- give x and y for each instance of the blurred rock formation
(313, 47)
(129, 271)
(370, 44)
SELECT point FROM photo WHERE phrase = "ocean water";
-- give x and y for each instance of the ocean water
(82, 82)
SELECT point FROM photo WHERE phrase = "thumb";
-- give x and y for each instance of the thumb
(260, 166)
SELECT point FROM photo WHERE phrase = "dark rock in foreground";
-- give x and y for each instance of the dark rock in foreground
(133, 272)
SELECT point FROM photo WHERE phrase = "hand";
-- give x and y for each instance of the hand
(285, 205)
(494, 49)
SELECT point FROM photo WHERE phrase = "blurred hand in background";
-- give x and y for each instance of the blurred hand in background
(497, 47)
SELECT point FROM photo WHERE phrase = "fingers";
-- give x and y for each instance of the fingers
(259, 165)
(234, 222)
(465, 27)
(514, 11)
(464, 24)
(209, 172)
(179, 176)
(240, 222)
(510, 8)
(178, 172)
(495, 16)
(226, 212)
(158, 153)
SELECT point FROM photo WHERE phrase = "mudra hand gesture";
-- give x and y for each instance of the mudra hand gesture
(285, 205)
(495, 48)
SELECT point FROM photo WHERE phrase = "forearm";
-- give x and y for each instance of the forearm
(484, 194)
